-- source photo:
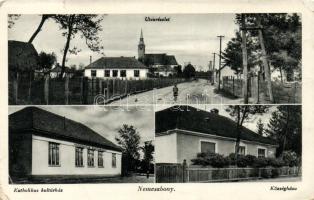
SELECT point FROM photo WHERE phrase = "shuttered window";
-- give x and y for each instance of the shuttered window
(261, 153)
(100, 159)
(90, 158)
(208, 147)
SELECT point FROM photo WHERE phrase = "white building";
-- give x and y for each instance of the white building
(117, 67)
(43, 144)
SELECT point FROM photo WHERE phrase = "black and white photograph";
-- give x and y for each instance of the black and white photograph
(235, 143)
(119, 59)
(78, 144)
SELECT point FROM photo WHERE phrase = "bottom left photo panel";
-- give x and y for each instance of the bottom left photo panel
(81, 144)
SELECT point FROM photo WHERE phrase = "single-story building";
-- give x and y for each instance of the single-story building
(42, 143)
(184, 131)
(56, 71)
(22, 58)
(116, 67)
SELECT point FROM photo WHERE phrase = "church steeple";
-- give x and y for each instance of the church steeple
(141, 47)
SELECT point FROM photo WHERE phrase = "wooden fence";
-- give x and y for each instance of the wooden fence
(179, 173)
(282, 92)
(24, 90)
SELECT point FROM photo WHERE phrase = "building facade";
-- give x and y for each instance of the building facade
(184, 134)
(45, 144)
(127, 68)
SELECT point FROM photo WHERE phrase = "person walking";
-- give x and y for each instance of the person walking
(175, 92)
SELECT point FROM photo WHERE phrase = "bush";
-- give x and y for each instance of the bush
(213, 159)
(242, 160)
(290, 158)
(275, 162)
(260, 162)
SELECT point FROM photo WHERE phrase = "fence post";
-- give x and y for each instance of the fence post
(85, 90)
(66, 90)
(15, 87)
(46, 89)
(184, 171)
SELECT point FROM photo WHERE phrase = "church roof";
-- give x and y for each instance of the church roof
(159, 59)
(116, 62)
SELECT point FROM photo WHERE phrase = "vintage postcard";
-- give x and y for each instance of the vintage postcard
(140, 100)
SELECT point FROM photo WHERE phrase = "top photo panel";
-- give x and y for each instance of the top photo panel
(146, 59)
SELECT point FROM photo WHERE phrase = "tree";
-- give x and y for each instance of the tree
(285, 127)
(47, 60)
(260, 127)
(44, 18)
(11, 19)
(189, 71)
(129, 140)
(241, 114)
(148, 150)
(178, 70)
(87, 25)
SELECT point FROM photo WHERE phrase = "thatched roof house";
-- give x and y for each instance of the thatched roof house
(22, 56)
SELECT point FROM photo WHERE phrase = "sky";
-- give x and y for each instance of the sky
(190, 37)
(107, 121)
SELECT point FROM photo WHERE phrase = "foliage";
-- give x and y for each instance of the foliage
(87, 26)
(241, 114)
(47, 60)
(148, 150)
(11, 19)
(285, 127)
(129, 140)
(290, 158)
(189, 71)
(282, 38)
(213, 159)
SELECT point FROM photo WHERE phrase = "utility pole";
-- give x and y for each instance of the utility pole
(264, 60)
(244, 57)
(213, 82)
(220, 38)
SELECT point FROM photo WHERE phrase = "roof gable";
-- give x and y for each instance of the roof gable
(55, 125)
(22, 56)
(191, 119)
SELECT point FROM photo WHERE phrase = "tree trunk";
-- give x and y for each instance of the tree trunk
(265, 62)
(245, 65)
(67, 44)
(43, 19)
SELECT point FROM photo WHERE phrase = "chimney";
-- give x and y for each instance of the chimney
(214, 110)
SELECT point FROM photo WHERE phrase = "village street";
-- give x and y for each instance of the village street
(195, 92)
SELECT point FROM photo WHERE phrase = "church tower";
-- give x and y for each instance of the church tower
(141, 48)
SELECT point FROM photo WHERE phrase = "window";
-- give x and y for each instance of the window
(122, 73)
(114, 161)
(79, 157)
(208, 147)
(241, 150)
(136, 73)
(100, 159)
(261, 153)
(53, 154)
(114, 73)
(90, 158)
(93, 73)
(107, 73)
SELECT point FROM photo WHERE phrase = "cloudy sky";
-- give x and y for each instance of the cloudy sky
(107, 122)
(190, 37)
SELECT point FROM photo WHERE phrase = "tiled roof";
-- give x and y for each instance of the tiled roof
(22, 56)
(159, 59)
(56, 126)
(116, 62)
(190, 119)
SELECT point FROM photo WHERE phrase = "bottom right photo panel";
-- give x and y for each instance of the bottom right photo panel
(228, 143)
